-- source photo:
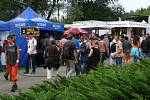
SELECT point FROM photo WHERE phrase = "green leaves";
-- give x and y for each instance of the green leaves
(94, 10)
(107, 82)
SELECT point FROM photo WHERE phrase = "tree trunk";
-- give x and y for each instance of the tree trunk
(51, 10)
(58, 9)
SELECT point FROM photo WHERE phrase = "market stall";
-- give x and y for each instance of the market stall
(30, 20)
(127, 27)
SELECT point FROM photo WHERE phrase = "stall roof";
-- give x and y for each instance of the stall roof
(30, 18)
(112, 24)
(87, 24)
(105, 24)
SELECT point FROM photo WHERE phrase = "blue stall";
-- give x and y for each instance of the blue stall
(29, 18)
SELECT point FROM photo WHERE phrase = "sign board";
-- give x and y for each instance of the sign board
(30, 30)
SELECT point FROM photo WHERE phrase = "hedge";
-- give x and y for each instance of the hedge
(108, 82)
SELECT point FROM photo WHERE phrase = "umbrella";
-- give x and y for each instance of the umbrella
(76, 31)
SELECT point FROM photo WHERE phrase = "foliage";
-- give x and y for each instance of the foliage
(140, 12)
(11, 8)
(74, 10)
(7, 9)
(94, 10)
(74, 13)
(108, 82)
(143, 11)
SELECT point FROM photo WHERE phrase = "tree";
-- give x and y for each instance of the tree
(74, 12)
(60, 6)
(74, 9)
(47, 7)
(8, 9)
(142, 11)
(94, 10)
(11, 8)
(117, 11)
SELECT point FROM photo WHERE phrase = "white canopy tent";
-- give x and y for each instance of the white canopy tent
(127, 24)
(87, 24)
(106, 25)
(98, 27)
(131, 24)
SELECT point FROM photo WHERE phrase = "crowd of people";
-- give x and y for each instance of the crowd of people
(79, 55)
(83, 54)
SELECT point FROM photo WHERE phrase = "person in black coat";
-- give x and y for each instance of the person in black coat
(52, 60)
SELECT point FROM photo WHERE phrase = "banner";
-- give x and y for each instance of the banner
(30, 30)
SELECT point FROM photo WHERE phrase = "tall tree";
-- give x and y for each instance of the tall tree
(10, 8)
(52, 8)
(143, 11)
(94, 10)
(46, 7)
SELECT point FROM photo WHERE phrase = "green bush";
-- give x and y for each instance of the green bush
(108, 82)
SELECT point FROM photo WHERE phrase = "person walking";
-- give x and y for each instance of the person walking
(62, 42)
(12, 60)
(135, 51)
(83, 55)
(93, 56)
(126, 50)
(103, 49)
(52, 63)
(106, 40)
(31, 51)
(116, 51)
(44, 44)
(70, 56)
(4, 45)
(145, 46)
(77, 44)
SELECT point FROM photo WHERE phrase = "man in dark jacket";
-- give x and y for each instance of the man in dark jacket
(145, 46)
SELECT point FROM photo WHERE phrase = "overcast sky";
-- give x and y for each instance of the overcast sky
(134, 4)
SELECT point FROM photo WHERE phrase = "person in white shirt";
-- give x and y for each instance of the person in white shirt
(31, 51)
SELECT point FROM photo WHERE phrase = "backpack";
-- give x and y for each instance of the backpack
(67, 50)
(113, 47)
(83, 48)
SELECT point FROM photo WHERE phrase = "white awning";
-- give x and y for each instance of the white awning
(113, 24)
(106, 25)
(87, 24)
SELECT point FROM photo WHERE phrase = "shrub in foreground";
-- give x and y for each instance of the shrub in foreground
(108, 82)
